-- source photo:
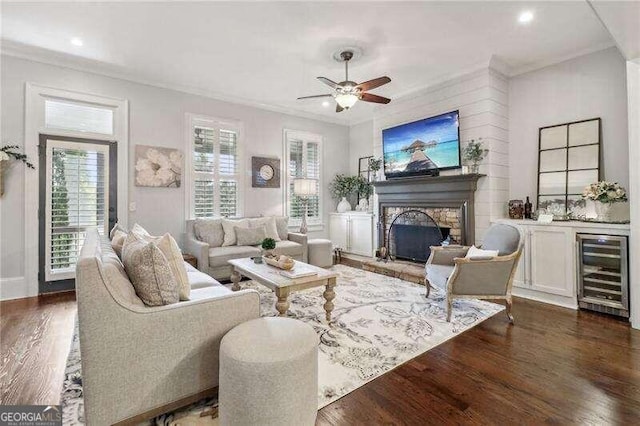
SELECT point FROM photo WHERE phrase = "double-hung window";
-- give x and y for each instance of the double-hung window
(303, 154)
(215, 186)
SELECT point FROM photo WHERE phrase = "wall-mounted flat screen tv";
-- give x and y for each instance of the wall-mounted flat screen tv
(420, 147)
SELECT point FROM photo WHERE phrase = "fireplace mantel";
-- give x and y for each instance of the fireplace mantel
(455, 191)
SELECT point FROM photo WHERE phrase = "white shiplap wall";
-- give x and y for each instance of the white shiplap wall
(482, 99)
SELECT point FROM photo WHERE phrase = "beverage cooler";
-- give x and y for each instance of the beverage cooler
(603, 273)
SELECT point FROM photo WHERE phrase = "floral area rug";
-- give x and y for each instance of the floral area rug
(379, 322)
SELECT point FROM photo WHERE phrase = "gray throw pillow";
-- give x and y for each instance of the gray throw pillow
(282, 223)
(149, 272)
(250, 236)
(209, 231)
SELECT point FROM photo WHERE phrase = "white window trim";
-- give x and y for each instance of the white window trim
(294, 224)
(192, 120)
(34, 124)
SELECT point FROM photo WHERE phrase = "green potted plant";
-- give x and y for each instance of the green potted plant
(365, 190)
(268, 244)
(473, 154)
(375, 164)
(8, 153)
(341, 187)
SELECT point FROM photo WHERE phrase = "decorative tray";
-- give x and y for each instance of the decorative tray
(284, 265)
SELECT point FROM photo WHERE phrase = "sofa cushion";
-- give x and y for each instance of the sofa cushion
(438, 275)
(282, 223)
(118, 241)
(250, 237)
(198, 279)
(270, 227)
(209, 292)
(289, 248)
(229, 227)
(219, 256)
(117, 227)
(209, 231)
(149, 272)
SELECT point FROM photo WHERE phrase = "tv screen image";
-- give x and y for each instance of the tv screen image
(418, 147)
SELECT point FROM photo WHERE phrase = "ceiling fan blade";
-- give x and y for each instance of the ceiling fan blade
(369, 97)
(339, 108)
(328, 82)
(372, 84)
(316, 96)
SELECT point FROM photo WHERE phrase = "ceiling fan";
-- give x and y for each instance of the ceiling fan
(347, 93)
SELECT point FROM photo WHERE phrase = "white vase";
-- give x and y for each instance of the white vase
(363, 205)
(603, 211)
(344, 205)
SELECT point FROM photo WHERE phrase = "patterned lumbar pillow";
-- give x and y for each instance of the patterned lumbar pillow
(269, 224)
(149, 272)
(250, 237)
(230, 231)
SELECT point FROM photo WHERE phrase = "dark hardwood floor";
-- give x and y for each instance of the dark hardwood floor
(554, 366)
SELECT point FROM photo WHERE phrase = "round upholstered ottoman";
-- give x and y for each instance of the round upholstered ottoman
(269, 373)
(320, 252)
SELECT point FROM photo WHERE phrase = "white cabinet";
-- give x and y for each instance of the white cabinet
(547, 267)
(353, 232)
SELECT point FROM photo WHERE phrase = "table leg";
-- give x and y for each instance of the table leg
(329, 295)
(282, 305)
(235, 279)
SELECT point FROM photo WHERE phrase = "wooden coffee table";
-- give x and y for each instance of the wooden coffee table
(269, 276)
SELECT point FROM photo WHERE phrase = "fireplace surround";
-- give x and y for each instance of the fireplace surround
(449, 200)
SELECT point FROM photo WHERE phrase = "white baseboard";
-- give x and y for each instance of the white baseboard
(14, 288)
(565, 302)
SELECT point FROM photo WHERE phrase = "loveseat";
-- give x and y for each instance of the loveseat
(204, 241)
(142, 361)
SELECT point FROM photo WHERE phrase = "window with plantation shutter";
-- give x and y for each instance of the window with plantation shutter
(303, 160)
(215, 188)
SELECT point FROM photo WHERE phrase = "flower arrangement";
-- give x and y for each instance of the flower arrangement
(343, 186)
(363, 187)
(8, 152)
(605, 192)
(474, 153)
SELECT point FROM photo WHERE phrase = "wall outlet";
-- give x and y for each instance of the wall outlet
(132, 206)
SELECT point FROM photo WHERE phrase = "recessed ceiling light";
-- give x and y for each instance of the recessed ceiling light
(525, 17)
(76, 41)
(325, 104)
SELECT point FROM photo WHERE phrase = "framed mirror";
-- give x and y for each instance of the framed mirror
(568, 160)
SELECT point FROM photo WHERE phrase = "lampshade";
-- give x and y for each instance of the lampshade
(346, 100)
(305, 187)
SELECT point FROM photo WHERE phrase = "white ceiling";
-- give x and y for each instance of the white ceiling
(269, 53)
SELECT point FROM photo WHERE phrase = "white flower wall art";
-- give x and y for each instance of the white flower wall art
(158, 167)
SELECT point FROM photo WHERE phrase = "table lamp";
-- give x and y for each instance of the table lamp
(304, 188)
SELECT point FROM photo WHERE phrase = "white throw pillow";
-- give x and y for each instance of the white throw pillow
(140, 231)
(269, 224)
(476, 252)
(117, 242)
(229, 226)
(209, 231)
(250, 236)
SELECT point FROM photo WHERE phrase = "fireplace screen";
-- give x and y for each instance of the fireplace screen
(411, 235)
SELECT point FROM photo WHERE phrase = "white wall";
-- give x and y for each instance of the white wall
(633, 100)
(360, 143)
(156, 117)
(586, 87)
(482, 99)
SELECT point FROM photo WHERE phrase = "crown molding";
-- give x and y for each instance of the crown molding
(62, 60)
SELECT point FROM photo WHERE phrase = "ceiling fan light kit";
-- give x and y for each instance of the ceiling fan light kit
(347, 93)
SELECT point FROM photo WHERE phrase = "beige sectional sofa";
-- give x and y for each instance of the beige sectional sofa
(138, 359)
(213, 257)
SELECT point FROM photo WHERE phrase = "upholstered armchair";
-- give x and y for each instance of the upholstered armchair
(484, 277)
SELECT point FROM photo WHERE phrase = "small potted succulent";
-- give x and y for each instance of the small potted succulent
(473, 154)
(268, 245)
